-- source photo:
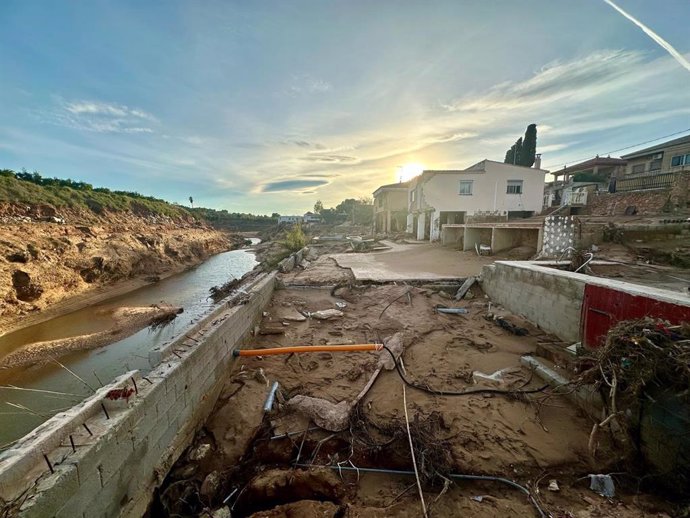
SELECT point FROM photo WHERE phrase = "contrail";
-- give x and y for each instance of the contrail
(649, 32)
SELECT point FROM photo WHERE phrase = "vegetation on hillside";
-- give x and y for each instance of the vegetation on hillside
(240, 220)
(32, 188)
(356, 211)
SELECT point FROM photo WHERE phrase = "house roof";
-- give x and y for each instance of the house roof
(393, 187)
(597, 161)
(658, 147)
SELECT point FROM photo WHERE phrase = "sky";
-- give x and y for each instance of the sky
(270, 106)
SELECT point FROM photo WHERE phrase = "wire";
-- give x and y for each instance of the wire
(461, 393)
(621, 149)
(459, 476)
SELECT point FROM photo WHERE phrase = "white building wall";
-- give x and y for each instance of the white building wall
(489, 192)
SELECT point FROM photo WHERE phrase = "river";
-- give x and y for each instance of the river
(189, 289)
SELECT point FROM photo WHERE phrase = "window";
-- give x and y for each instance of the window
(412, 196)
(465, 187)
(679, 160)
(514, 187)
(639, 168)
(655, 165)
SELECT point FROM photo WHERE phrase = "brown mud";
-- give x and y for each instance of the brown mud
(249, 463)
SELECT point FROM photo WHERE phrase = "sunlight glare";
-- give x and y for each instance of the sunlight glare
(408, 171)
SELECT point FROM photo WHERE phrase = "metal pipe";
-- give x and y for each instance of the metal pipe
(268, 405)
(307, 349)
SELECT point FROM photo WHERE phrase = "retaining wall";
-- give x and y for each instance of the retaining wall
(549, 298)
(108, 455)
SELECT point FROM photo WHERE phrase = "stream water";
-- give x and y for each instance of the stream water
(189, 289)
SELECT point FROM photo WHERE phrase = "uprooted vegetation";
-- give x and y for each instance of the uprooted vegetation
(643, 374)
(491, 449)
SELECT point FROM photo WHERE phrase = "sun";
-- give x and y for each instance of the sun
(408, 171)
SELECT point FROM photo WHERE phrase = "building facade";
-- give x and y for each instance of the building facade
(390, 208)
(492, 188)
(670, 156)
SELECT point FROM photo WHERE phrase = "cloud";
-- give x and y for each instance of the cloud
(654, 36)
(579, 79)
(307, 84)
(291, 185)
(329, 158)
(99, 117)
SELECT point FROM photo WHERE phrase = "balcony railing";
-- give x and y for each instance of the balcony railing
(646, 182)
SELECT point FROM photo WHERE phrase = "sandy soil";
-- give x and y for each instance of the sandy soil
(127, 321)
(43, 264)
(528, 439)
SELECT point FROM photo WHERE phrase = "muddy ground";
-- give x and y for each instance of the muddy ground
(44, 264)
(279, 464)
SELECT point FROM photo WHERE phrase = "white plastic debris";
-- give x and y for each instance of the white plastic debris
(340, 305)
(553, 485)
(602, 484)
(495, 377)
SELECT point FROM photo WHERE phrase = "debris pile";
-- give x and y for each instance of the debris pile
(643, 373)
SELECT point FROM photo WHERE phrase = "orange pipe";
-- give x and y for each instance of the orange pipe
(307, 349)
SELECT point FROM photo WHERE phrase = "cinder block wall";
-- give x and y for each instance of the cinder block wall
(548, 298)
(123, 449)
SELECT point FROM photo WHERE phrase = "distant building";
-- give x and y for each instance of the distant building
(488, 188)
(289, 220)
(666, 157)
(310, 217)
(572, 184)
(390, 208)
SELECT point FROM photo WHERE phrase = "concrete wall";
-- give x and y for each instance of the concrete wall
(549, 298)
(119, 458)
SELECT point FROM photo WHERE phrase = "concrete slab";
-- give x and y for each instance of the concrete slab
(412, 262)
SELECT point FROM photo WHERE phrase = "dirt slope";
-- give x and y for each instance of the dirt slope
(48, 256)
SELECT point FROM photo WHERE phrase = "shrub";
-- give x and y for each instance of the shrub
(295, 239)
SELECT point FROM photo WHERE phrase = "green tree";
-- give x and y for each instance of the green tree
(529, 146)
(318, 207)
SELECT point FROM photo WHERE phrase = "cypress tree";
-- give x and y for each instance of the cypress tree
(517, 158)
(529, 146)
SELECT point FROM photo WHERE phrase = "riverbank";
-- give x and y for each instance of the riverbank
(127, 322)
(51, 267)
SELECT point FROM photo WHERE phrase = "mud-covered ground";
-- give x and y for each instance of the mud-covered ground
(49, 258)
(279, 464)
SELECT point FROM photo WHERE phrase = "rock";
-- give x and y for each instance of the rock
(292, 316)
(210, 486)
(18, 257)
(223, 512)
(327, 314)
(25, 289)
(200, 452)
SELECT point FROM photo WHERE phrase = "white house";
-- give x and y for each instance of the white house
(285, 220)
(310, 217)
(448, 197)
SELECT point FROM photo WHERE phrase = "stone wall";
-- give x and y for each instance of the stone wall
(106, 456)
(648, 202)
